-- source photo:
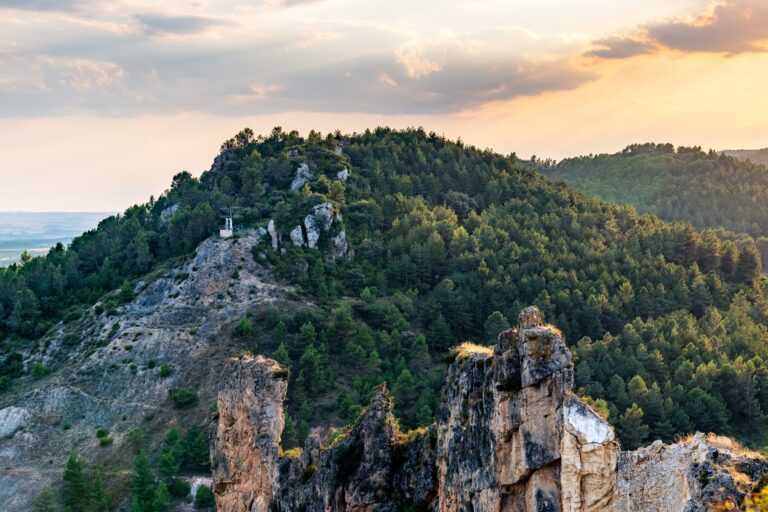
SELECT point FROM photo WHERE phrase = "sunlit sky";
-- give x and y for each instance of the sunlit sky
(101, 102)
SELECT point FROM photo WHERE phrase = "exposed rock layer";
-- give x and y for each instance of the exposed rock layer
(105, 367)
(510, 436)
(250, 422)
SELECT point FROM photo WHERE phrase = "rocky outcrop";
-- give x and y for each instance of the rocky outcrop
(689, 476)
(105, 367)
(250, 421)
(303, 175)
(167, 214)
(366, 470)
(273, 234)
(317, 223)
(343, 174)
(510, 436)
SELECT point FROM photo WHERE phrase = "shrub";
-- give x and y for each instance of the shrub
(101, 433)
(39, 371)
(183, 397)
(204, 499)
(105, 441)
(244, 327)
(165, 370)
(179, 488)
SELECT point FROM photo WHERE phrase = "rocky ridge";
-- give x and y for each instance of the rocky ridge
(105, 366)
(510, 436)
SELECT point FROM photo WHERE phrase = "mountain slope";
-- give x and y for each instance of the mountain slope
(107, 368)
(709, 190)
(398, 245)
(757, 156)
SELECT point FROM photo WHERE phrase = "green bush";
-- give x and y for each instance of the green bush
(179, 488)
(39, 371)
(244, 327)
(204, 499)
(183, 397)
(165, 370)
(105, 441)
(101, 433)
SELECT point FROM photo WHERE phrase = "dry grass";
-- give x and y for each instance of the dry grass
(411, 435)
(292, 453)
(468, 349)
(722, 443)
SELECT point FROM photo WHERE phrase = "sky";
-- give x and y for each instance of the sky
(101, 102)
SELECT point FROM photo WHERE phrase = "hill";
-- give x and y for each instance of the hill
(709, 190)
(758, 156)
(382, 250)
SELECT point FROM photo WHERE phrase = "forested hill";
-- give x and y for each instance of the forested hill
(709, 190)
(449, 243)
(757, 156)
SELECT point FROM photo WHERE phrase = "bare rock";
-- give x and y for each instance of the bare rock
(246, 449)
(297, 236)
(167, 214)
(303, 175)
(343, 174)
(274, 235)
(11, 420)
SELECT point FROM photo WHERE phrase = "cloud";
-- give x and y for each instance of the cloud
(734, 27)
(415, 63)
(44, 5)
(621, 48)
(164, 24)
(264, 64)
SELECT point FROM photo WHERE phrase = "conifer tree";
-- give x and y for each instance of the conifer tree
(632, 431)
(75, 488)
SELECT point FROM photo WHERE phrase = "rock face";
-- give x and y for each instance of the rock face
(510, 436)
(303, 175)
(105, 367)
(318, 223)
(687, 476)
(273, 234)
(250, 422)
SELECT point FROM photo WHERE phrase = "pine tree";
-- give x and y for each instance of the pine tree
(75, 488)
(197, 454)
(161, 501)
(204, 499)
(98, 500)
(142, 485)
(46, 501)
(169, 460)
(494, 324)
(749, 266)
(281, 355)
(632, 430)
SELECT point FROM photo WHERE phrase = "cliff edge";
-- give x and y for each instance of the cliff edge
(510, 436)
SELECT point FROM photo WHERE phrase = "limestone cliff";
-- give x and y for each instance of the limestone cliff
(510, 436)
(246, 445)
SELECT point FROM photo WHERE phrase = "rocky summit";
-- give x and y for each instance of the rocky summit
(510, 436)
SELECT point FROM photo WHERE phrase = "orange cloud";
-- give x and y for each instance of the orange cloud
(734, 27)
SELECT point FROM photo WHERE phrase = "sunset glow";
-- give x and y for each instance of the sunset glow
(100, 102)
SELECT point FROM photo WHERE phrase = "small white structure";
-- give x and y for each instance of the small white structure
(228, 229)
